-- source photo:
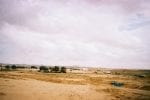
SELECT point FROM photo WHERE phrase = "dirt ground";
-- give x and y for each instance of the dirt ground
(28, 85)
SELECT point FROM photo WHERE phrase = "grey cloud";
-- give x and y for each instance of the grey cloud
(17, 12)
(72, 33)
(136, 22)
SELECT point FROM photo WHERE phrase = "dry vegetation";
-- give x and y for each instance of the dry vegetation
(135, 87)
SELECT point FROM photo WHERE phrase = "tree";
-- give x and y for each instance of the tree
(7, 67)
(13, 66)
(63, 70)
(55, 69)
(43, 68)
(33, 67)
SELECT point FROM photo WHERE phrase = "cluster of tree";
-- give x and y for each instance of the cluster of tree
(10, 67)
(55, 69)
(44, 69)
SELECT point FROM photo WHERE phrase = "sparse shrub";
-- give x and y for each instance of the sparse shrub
(140, 76)
(117, 84)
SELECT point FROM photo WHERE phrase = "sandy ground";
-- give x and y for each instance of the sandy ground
(27, 85)
(30, 89)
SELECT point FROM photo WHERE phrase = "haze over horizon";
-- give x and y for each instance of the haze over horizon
(110, 33)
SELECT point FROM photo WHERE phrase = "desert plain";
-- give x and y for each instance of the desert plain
(34, 85)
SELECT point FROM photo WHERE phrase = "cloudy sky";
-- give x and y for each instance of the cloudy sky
(108, 33)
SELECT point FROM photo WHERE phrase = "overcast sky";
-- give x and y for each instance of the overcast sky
(105, 33)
